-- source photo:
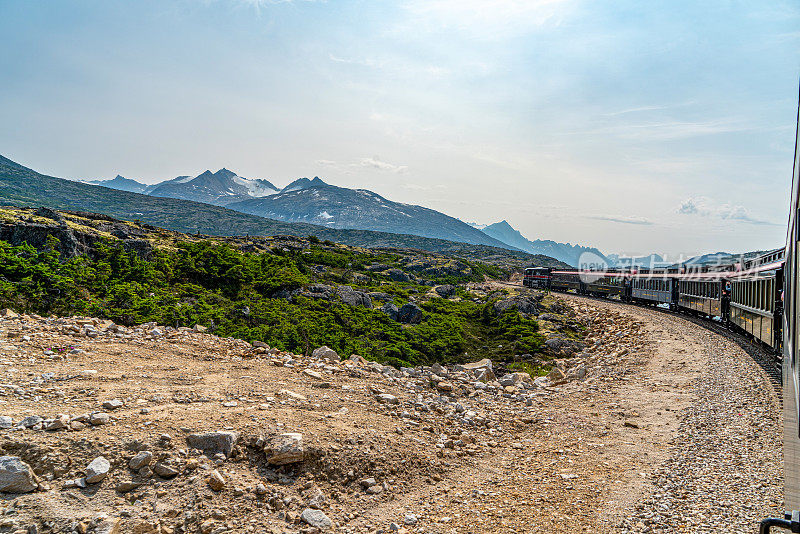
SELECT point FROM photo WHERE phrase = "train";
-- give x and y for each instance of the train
(745, 296)
(758, 297)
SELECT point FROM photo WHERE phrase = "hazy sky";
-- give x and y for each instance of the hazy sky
(632, 126)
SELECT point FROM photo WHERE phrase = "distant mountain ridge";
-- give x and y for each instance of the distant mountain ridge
(565, 252)
(121, 183)
(220, 188)
(24, 187)
(339, 207)
(316, 202)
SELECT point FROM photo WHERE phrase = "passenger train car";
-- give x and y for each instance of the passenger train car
(789, 309)
(744, 296)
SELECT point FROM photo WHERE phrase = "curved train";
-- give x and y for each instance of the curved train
(759, 297)
(747, 295)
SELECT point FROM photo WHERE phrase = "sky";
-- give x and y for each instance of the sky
(636, 127)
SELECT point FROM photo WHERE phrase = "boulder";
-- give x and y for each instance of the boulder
(8, 314)
(6, 422)
(216, 481)
(319, 291)
(60, 421)
(200, 329)
(140, 460)
(213, 442)
(446, 291)
(515, 379)
(352, 297)
(385, 398)
(482, 370)
(108, 525)
(113, 404)
(31, 421)
(410, 313)
(166, 469)
(97, 470)
(99, 418)
(397, 275)
(16, 476)
(285, 449)
(563, 347)
(555, 375)
(326, 353)
(391, 310)
(316, 518)
(522, 303)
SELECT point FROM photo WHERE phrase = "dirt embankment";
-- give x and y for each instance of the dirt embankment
(649, 412)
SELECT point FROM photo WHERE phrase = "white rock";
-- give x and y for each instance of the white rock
(316, 518)
(312, 374)
(286, 449)
(113, 404)
(99, 418)
(326, 353)
(385, 398)
(97, 470)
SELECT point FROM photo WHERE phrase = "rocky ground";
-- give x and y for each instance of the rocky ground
(654, 425)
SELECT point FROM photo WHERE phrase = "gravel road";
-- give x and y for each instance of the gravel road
(724, 468)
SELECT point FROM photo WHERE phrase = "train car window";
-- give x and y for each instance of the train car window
(771, 295)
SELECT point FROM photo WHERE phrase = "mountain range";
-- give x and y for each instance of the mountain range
(311, 201)
(121, 183)
(340, 207)
(22, 186)
(566, 252)
(316, 202)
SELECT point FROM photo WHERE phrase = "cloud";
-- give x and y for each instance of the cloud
(704, 207)
(418, 187)
(621, 219)
(375, 163)
(490, 19)
(670, 130)
(739, 213)
(689, 207)
(366, 62)
(371, 163)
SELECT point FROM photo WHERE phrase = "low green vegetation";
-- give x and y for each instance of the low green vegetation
(527, 367)
(259, 296)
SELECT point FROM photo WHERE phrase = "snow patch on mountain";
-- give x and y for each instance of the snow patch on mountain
(255, 188)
